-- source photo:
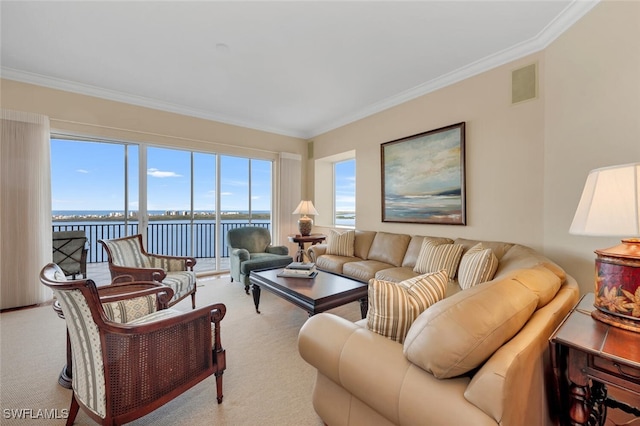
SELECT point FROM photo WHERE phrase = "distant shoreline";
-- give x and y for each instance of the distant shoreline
(197, 216)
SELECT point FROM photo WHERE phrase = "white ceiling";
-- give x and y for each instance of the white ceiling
(294, 68)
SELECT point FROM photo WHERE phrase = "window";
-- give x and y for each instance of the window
(344, 193)
(185, 201)
(335, 190)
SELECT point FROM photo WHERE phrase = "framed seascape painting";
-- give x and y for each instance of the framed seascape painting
(423, 177)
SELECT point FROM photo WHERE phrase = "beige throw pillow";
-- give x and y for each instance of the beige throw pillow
(478, 265)
(394, 306)
(341, 243)
(435, 257)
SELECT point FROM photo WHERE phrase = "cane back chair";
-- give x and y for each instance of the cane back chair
(123, 371)
(127, 256)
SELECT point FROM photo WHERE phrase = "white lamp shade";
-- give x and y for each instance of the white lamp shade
(610, 203)
(305, 208)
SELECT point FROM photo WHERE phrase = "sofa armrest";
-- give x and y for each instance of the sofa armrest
(341, 350)
(317, 250)
(283, 250)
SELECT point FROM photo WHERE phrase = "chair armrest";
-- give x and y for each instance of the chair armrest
(131, 290)
(138, 274)
(240, 253)
(278, 250)
(317, 250)
(121, 279)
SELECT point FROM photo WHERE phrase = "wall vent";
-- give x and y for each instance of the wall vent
(524, 83)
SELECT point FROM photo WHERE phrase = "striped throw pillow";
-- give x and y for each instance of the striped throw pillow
(478, 265)
(394, 306)
(434, 257)
(341, 243)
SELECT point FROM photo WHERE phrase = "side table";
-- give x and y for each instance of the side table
(302, 239)
(592, 361)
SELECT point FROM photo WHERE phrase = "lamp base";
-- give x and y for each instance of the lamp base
(617, 286)
(616, 321)
(304, 226)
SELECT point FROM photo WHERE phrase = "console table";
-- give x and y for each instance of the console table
(592, 361)
(302, 239)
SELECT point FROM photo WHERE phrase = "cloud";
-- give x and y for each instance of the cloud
(82, 171)
(160, 174)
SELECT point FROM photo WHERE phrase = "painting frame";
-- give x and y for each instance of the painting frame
(423, 177)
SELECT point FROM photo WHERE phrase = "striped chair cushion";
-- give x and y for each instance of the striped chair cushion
(434, 257)
(394, 306)
(341, 243)
(157, 316)
(182, 282)
(127, 310)
(128, 253)
(86, 350)
(478, 265)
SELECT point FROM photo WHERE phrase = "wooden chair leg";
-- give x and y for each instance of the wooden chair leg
(73, 410)
(219, 385)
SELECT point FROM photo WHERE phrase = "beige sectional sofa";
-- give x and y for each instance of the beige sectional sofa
(477, 357)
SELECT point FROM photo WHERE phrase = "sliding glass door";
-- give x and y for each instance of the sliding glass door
(183, 202)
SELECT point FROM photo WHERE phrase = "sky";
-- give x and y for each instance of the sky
(90, 176)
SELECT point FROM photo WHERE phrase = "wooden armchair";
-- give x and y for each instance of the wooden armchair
(127, 256)
(124, 371)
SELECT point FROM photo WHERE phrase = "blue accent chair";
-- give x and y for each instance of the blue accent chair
(250, 249)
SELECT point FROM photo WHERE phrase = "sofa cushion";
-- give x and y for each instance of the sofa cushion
(434, 257)
(459, 333)
(363, 270)
(333, 263)
(340, 243)
(499, 248)
(389, 248)
(540, 280)
(394, 306)
(523, 257)
(477, 265)
(362, 243)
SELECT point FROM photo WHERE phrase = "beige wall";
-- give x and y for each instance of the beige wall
(86, 115)
(525, 163)
(82, 115)
(592, 119)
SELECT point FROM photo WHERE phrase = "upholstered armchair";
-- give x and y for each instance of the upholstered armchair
(127, 256)
(125, 370)
(250, 249)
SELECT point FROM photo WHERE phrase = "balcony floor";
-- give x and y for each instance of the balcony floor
(99, 272)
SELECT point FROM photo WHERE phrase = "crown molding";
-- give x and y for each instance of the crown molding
(112, 95)
(569, 16)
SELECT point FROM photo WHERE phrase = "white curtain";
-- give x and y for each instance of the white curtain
(25, 207)
(290, 193)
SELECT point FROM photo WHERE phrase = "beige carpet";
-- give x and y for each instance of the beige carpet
(266, 381)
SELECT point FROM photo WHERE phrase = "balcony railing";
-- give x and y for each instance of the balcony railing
(168, 238)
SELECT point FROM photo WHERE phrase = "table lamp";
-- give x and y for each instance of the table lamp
(610, 206)
(305, 223)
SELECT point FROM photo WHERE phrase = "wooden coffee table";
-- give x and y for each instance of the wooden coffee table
(314, 295)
